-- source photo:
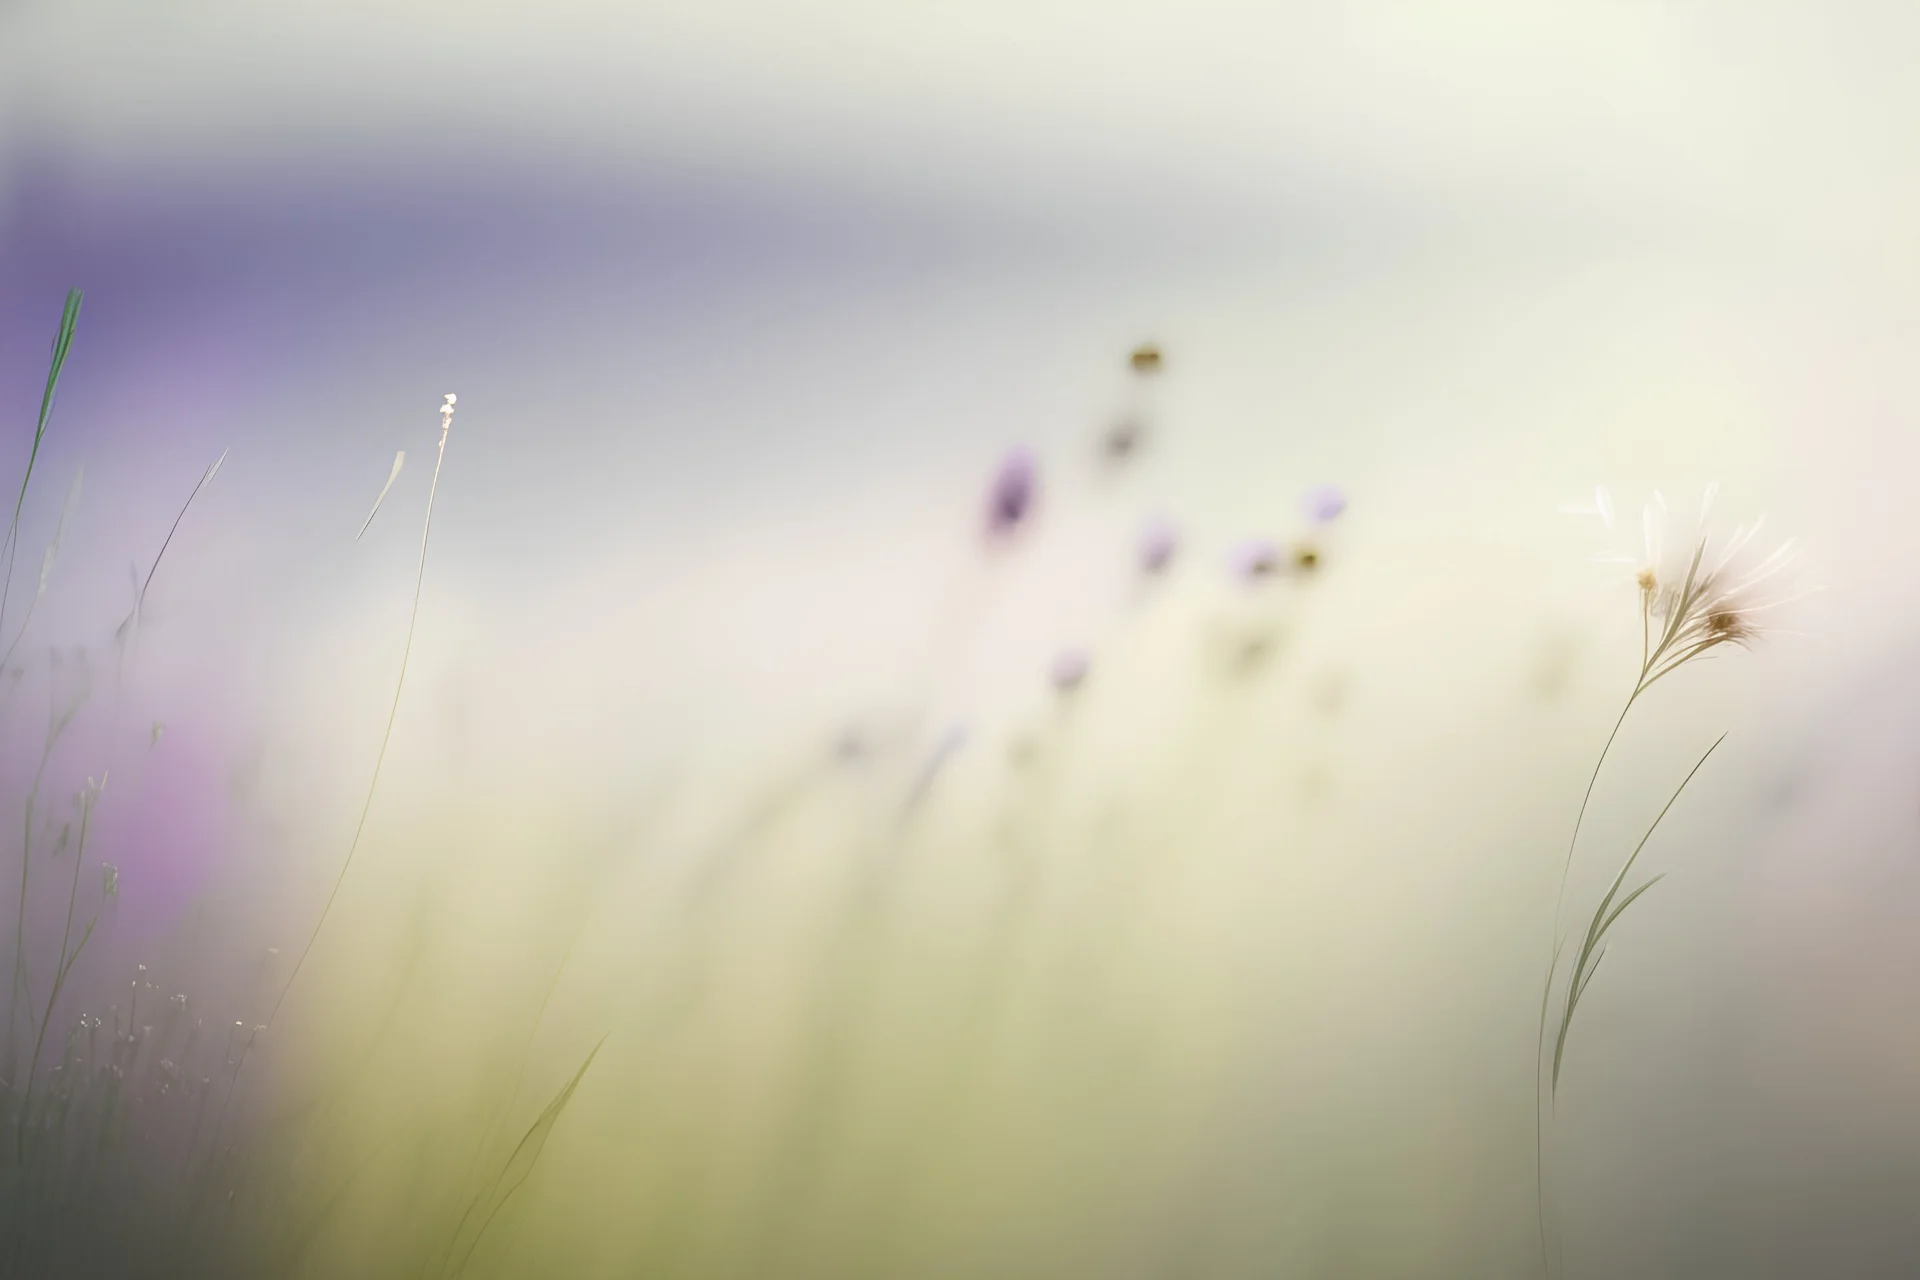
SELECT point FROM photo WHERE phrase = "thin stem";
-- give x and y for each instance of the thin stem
(59, 977)
(26, 858)
(1646, 609)
(1553, 962)
(437, 1261)
(20, 922)
(386, 738)
(1566, 868)
(63, 339)
(129, 629)
(46, 565)
(233, 1084)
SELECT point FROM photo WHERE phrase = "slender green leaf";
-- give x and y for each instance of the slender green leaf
(69, 318)
(1627, 902)
(519, 1165)
(1604, 914)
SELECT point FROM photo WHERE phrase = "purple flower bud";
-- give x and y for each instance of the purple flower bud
(1069, 670)
(1158, 542)
(1010, 500)
(1255, 559)
(1324, 504)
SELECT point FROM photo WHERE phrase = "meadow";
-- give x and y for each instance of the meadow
(1069, 985)
(1054, 641)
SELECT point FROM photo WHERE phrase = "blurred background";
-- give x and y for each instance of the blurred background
(956, 901)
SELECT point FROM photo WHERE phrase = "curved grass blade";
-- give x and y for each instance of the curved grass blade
(524, 1156)
(1582, 982)
(69, 319)
(131, 624)
(399, 460)
(1604, 915)
(1625, 903)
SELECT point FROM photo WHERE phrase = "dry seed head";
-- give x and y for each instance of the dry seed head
(1718, 599)
(1700, 593)
(1729, 625)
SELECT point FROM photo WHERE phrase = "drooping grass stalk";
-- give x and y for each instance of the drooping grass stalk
(386, 738)
(69, 319)
(65, 966)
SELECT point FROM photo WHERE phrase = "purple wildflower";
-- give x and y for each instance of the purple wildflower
(1255, 559)
(1324, 504)
(1011, 498)
(1158, 543)
(1069, 670)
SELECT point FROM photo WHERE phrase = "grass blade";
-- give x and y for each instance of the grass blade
(1604, 914)
(1627, 902)
(399, 460)
(131, 624)
(69, 319)
(524, 1156)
